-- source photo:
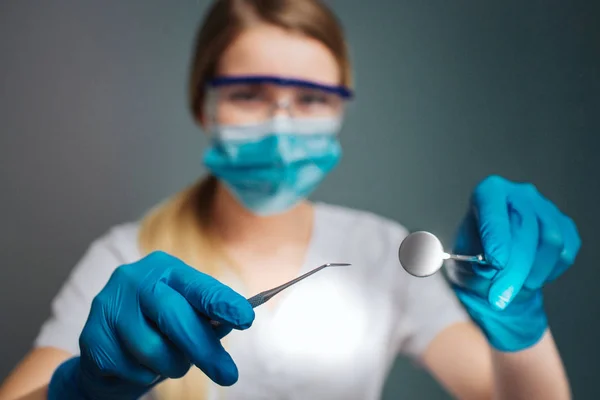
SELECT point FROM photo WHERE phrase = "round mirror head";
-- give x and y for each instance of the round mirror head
(421, 254)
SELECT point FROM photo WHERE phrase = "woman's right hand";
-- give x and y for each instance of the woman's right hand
(149, 323)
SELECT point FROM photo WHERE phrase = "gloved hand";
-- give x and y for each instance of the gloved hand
(149, 323)
(530, 241)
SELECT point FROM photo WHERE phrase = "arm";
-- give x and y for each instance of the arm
(58, 338)
(29, 380)
(462, 361)
(39, 394)
(530, 242)
(459, 358)
(142, 329)
(536, 372)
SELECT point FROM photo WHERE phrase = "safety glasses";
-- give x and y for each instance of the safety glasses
(255, 99)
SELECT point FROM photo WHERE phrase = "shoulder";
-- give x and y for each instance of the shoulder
(70, 307)
(116, 246)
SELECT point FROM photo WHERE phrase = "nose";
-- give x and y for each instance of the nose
(282, 107)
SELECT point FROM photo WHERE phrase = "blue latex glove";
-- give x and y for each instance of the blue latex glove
(531, 242)
(149, 323)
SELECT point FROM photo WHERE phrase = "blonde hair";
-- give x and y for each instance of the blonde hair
(180, 225)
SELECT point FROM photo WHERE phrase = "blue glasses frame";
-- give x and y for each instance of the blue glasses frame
(341, 91)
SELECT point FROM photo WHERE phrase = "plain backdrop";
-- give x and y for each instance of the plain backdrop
(94, 130)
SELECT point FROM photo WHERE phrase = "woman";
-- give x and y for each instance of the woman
(269, 82)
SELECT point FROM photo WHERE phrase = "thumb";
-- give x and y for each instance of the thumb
(522, 251)
(489, 207)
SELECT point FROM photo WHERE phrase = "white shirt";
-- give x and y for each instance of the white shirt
(334, 335)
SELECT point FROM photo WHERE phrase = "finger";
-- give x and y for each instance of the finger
(147, 346)
(489, 204)
(189, 331)
(468, 229)
(222, 330)
(468, 278)
(522, 251)
(550, 244)
(465, 244)
(212, 298)
(572, 244)
(102, 352)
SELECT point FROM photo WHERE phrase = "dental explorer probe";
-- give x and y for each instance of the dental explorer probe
(265, 296)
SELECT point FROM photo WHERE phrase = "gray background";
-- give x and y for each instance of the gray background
(94, 130)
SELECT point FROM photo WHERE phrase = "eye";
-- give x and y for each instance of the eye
(244, 94)
(313, 98)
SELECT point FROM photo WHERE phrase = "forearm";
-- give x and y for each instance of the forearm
(534, 373)
(39, 394)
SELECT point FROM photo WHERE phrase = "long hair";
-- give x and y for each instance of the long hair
(180, 225)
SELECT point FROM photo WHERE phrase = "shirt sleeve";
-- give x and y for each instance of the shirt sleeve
(425, 306)
(71, 306)
(428, 307)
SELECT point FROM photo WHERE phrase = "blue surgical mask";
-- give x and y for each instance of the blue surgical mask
(270, 167)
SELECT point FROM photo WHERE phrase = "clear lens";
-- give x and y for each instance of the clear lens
(238, 103)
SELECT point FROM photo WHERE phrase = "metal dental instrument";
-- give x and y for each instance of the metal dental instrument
(265, 296)
(421, 254)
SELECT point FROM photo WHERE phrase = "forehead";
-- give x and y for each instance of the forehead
(269, 50)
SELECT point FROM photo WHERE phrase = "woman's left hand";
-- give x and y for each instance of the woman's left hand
(529, 241)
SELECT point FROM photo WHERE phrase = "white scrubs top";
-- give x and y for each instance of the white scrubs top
(334, 335)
